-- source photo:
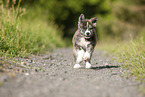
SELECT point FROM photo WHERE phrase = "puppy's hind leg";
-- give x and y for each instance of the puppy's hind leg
(79, 58)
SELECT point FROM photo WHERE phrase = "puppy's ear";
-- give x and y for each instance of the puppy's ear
(94, 21)
(81, 19)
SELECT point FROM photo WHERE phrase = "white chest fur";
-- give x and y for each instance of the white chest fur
(83, 42)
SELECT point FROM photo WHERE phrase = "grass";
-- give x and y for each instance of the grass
(21, 37)
(132, 55)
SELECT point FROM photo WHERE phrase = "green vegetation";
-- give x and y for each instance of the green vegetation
(124, 22)
(131, 56)
(20, 36)
(65, 13)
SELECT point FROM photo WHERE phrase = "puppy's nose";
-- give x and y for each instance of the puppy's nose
(87, 33)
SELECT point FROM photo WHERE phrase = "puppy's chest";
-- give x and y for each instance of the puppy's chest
(83, 42)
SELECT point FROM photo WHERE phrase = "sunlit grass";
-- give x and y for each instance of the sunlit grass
(20, 37)
(131, 56)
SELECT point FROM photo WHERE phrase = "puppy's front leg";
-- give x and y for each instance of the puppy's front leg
(79, 58)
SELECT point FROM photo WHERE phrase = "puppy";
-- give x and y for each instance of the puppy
(84, 41)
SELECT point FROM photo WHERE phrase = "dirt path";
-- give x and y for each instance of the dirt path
(53, 75)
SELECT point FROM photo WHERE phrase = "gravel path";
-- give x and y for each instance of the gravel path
(52, 75)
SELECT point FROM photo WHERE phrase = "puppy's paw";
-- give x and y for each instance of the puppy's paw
(88, 65)
(77, 66)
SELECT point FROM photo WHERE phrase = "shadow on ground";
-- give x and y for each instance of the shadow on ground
(104, 67)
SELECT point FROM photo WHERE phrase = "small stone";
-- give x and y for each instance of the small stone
(64, 79)
(27, 60)
(65, 60)
(32, 61)
(127, 77)
(23, 70)
(26, 73)
(23, 63)
(114, 73)
(36, 70)
(10, 67)
(106, 63)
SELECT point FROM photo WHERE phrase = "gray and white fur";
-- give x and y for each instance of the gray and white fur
(84, 41)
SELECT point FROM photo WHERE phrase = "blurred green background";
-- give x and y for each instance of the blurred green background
(117, 19)
(121, 19)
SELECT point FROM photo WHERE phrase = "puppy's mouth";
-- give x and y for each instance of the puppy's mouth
(87, 37)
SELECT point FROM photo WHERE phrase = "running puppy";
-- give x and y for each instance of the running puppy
(84, 41)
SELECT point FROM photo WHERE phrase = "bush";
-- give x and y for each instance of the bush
(19, 36)
(125, 20)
